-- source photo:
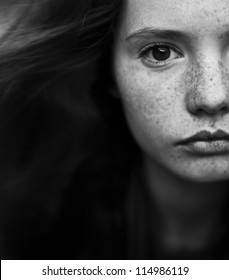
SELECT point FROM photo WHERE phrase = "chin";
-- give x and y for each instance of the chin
(211, 178)
(204, 169)
(206, 175)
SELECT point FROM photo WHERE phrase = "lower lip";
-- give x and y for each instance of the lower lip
(207, 148)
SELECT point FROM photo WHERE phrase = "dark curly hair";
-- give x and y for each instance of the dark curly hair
(66, 153)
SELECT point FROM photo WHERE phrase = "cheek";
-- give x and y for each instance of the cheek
(155, 108)
(152, 101)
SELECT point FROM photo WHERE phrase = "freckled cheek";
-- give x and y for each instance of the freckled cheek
(149, 98)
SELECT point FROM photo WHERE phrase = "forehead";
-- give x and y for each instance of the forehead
(191, 15)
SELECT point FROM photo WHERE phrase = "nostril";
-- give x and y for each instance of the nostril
(207, 110)
(224, 109)
(200, 113)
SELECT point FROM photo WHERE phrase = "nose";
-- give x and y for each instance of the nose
(207, 89)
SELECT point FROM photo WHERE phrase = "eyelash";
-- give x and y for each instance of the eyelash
(143, 54)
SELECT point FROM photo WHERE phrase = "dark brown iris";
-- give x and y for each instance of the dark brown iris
(161, 53)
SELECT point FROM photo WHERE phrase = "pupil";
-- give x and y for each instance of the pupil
(161, 53)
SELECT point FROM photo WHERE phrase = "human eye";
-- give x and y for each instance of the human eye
(158, 55)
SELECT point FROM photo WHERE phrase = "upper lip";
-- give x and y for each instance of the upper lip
(206, 135)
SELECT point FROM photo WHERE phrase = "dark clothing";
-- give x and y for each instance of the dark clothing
(104, 226)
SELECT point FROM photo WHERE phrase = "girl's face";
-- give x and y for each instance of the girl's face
(171, 65)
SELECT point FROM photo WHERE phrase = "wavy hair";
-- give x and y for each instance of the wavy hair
(65, 150)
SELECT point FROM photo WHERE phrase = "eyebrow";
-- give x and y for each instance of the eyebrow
(161, 33)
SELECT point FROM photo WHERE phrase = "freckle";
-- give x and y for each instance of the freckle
(225, 74)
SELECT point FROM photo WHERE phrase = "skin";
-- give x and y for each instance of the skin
(167, 103)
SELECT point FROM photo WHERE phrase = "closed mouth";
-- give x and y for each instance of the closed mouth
(206, 136)
(205, 143)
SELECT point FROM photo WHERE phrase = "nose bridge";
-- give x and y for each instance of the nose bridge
(208, 91)
(210, 83)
